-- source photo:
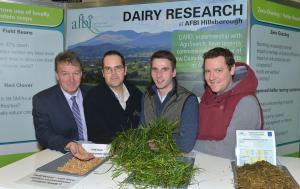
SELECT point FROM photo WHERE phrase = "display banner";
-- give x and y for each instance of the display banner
(30, 38)
(187, 28)
(275, 57)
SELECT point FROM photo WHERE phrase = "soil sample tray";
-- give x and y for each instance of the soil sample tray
(69, 165)
(263, 175)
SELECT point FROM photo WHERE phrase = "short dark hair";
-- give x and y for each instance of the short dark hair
(219, 51)
(166, 55)
(69, 57)
(112, 52)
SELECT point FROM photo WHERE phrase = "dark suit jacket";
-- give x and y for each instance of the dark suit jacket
(53, 120)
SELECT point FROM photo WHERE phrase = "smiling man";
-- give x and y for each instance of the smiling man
(228, 104)
(57, 125)
(166, 99)
(113, 105)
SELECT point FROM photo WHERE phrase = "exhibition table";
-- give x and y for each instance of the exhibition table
(215, 173)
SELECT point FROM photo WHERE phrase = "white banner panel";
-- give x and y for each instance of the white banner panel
(27, 51)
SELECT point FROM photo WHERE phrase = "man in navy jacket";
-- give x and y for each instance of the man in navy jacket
(54, 122)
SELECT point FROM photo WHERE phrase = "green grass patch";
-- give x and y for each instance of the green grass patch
(11, 158)
(295, 154)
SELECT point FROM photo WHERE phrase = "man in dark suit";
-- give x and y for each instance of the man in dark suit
(58, 122)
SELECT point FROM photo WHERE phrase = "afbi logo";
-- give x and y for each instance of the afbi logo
(82, 22)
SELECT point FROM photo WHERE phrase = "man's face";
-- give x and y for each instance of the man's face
(162, 74)
(113, 71)
(217, 75)
(68, 76)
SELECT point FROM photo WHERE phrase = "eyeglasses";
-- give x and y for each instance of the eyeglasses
(117, 69)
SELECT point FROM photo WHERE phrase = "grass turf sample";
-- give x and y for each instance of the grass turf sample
(150, 157)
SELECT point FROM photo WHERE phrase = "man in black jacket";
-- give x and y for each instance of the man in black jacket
(113, 105)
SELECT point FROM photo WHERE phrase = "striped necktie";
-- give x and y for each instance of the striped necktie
(76, 114)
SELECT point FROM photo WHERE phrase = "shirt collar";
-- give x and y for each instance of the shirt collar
(162, 98)
(125, 95)
(122, 98)
(68, 95)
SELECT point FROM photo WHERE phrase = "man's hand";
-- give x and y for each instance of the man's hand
(153, 145)
(79, 152)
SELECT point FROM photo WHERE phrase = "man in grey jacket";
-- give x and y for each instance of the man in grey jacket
(166, 99)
